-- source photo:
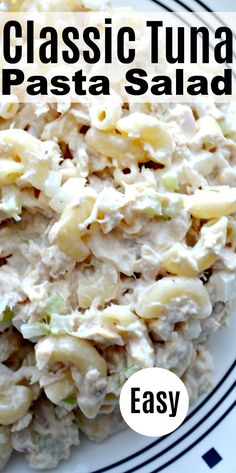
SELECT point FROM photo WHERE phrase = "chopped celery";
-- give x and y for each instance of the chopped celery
(170, 181)
(131, 370)
(7, 315)
(71, 400)
(164, 205)
(56, 305)
(125, 374)
(61, 324)
(35, 330)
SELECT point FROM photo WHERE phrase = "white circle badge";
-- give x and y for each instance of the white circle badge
(154, 402)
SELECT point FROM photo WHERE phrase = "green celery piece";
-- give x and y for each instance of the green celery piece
(170, 181)
(71, 400)
(56, 305)
(7, 315)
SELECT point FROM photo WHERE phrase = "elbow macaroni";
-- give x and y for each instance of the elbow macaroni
(104, 115)
(71, 350)
(184, 261)
(84, 361)
(169, 291)
(151, 132)
(14, 404)
(212, 203)
(113, 145)
(61, 389)
(66, 234)
(135, 333)
(118, 315)
(9, 107)
(24, 159)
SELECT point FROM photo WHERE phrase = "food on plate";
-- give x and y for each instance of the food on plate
(117, 252)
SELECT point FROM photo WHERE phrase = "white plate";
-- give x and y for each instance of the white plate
(209, 429)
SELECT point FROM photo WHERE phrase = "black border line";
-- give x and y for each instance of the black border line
(187, 449)
(205, 7)
(163, 6)
(153, 444)
(208, 10)
(167, 449)
(188, 9)
(179, 2)
(230, 408)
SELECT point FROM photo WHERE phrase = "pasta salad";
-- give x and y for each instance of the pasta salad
(117, 240)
